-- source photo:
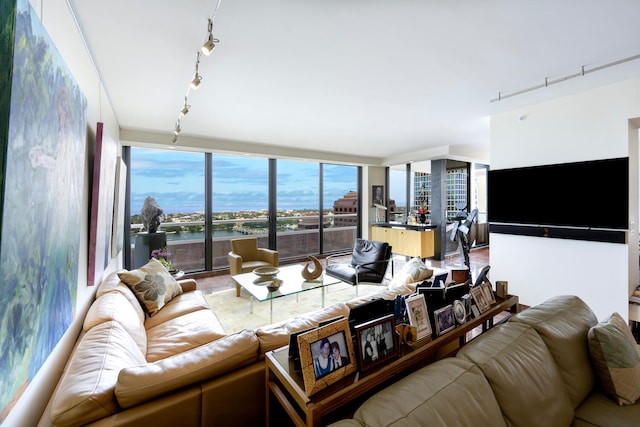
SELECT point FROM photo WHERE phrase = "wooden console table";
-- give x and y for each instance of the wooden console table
(285, 385)
(409, 240)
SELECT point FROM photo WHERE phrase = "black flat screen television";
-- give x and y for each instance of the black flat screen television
(591, 194)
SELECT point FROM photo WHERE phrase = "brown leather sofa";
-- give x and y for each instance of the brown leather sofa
(535, 370)
(176, 368)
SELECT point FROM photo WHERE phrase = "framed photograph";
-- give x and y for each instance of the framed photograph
(459, 312)
(488, 293)
(326, 355)
(418, 315)
(377, 195)
(444, 319)
(479, 299)
(376, 341)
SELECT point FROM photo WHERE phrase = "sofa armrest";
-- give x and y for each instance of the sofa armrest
(141, 383)
(188, 285)
(268, 255)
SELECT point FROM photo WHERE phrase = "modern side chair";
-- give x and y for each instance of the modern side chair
(369, 262)
(245, 256)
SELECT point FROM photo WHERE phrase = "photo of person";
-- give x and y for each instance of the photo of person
(418, 314)
(338, 359)
(377, 195)
(328, 354)
(322, 362)
(444, 319)
(376, 340)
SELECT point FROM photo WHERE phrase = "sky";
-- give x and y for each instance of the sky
(176, 180)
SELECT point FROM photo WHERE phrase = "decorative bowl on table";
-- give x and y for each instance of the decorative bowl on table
(274, 285)
(266, 273)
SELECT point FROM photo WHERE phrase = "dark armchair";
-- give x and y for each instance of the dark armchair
(369, 261)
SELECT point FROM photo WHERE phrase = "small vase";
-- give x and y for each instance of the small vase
(423, 218)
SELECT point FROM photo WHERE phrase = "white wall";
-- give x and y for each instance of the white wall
(586, 126)
(59, 23)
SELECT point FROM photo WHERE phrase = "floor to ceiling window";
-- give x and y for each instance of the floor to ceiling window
(175, 179)
(398, 194)
(316, 205)
(340, 207)
(298, 208)
(240, 203)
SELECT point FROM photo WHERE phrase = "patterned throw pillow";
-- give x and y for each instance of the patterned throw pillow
(616, 358)
(152, 284)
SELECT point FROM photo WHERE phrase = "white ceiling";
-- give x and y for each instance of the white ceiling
(364, 78)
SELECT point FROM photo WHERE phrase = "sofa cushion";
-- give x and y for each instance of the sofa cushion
(182, 333)
(450, 392)
(615, 356)
(112, 283)
(563, 323)
(152, 285)
(415, 270)
(85, 392)
(600, 410)
(178, 306)
(523, 376)
(137, 384)
(114, 306)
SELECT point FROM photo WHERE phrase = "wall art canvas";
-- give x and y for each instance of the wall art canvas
(117, 235)
(43, 198)
(102, 193)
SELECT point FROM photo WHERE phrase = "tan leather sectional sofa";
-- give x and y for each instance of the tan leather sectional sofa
(176, 368)
(534, 370)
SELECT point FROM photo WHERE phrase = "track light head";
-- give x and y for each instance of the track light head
(209, 45)
(177, 130)
(185, 108)
(197, 79)
(175, 139)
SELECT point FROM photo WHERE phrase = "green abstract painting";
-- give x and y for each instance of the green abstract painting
(44, 149)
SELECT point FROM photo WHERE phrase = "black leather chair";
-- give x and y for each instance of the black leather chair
(369, 261)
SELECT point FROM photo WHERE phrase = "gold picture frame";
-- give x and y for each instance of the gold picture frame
(318, 365)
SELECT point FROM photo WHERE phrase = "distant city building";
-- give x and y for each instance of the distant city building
(456, 190)
(347, 205)
(456, 182)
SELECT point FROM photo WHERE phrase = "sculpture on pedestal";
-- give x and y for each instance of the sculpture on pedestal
(151, 214)
(460, 231)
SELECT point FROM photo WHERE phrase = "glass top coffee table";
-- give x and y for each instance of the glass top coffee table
(292, 283)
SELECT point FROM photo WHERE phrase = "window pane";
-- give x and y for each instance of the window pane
(397, 194)
(175, 179)
(340, 184)
(240, 203)
(297, 212)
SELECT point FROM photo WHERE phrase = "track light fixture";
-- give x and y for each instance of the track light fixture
(197, 78)
(207, 48)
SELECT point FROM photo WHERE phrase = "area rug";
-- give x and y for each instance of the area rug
(235, 313)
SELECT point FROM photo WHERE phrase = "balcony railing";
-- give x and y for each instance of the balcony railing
(187, 247)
